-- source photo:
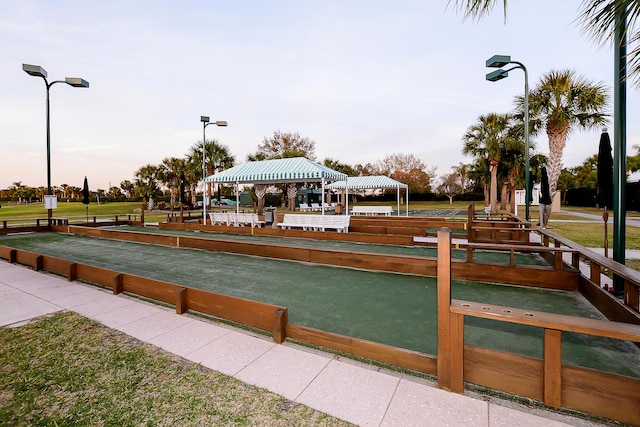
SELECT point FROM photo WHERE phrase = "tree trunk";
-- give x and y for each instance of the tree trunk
(486, 194)
(557, 141)
(493, 193)
(504, 196)
(260, 205)
(261, 191)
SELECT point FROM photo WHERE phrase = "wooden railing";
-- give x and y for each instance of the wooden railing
(39, 224)
(630, 292)
(607, 395)
(499, 228)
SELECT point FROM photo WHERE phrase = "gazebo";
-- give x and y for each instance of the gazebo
(277, 171)
(369, 183)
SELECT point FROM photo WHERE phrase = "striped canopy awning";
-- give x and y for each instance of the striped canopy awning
(296, 169)
(367, 182)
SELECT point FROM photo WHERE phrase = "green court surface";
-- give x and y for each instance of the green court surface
(417, 251)
(394, 309)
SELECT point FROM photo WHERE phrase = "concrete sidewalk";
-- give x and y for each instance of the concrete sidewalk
(352, 391)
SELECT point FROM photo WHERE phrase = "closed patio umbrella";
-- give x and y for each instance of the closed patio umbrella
(545, 197)
(85, 196)
(605, 183)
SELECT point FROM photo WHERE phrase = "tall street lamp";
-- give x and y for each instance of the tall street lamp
(205, 122)
(499, 61)
(38, 71)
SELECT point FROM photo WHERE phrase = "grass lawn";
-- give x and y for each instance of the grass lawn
(37, 210)
(77, 209)
(68, 370)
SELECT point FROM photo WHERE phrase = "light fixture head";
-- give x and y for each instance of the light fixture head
(204, 119)
(496, 75)
(221, 123)
(497, 61)
(34, 70)
(76, 82)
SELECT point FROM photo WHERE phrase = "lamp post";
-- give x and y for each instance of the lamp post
(38, 71)
(499, 61)
(205, 122)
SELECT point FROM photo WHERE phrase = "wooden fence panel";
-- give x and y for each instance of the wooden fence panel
(26, 257)
(508, 372)
(247, 312)
(150, 288)
(407, 359)
(101, 276)
(56, 265)
(600, 393)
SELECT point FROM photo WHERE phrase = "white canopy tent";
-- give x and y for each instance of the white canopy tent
(372, 182)
(277, 171)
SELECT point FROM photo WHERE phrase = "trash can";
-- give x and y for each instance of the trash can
(268, 215)
(338, 209)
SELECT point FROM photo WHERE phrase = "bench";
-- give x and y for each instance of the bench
(372, 210)
(340, 223)
(237, 219)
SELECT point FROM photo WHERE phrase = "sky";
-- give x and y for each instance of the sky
(362, 79)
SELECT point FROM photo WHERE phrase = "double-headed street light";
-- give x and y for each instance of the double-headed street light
(499, 61)
(38, 71)
(205, 122)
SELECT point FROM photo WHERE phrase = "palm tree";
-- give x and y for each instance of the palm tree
(127, 186)
(171, 173)
(193, 175)
(600, 19)
(561, 103)
(218, 158)
(486, 139)
(146, 183)
(463, 173)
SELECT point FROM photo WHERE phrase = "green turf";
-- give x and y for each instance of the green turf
(417, 251)
(395, 309)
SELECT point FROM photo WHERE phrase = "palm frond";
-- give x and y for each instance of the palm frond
(477, 9)
(601, 18)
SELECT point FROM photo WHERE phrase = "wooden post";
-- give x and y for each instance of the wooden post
(280, 319)
(181, 300)
(575, 260)
(471, 233)
(37, 266)
(116, 284)
(558, 264)
(457, 353)
(553, 368)
(632, 295)
(444, 305)
(73, 272)
(595, 272)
